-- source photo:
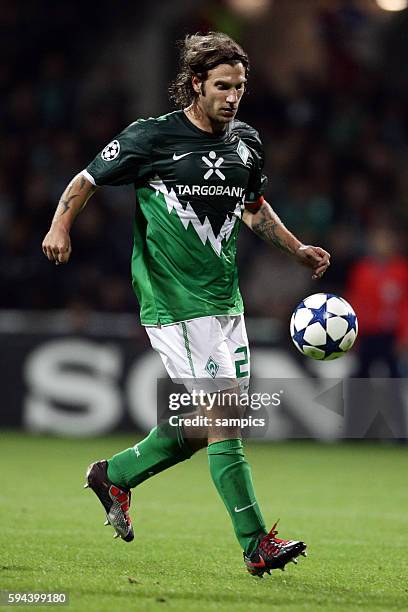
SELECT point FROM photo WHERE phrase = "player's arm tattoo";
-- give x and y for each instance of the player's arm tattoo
(65, 201)
(83, 191)
(267, 225)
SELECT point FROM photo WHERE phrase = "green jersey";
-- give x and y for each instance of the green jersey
(191, 187)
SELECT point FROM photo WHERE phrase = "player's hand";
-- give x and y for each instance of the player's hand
(56, 245)
(315, 258)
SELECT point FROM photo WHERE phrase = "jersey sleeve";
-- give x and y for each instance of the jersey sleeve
(126, 159)
(257, 180)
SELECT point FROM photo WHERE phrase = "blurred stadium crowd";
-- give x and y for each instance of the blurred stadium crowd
(336, 141)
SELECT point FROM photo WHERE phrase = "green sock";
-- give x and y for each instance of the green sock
(157, 452)
(232, 477)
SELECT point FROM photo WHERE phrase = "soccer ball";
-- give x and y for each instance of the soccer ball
(323, 326)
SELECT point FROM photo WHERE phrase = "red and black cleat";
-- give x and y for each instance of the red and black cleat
(273, 553)
(115, 500)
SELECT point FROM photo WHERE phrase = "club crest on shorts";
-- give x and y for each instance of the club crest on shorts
(111, 151)
(212, 367)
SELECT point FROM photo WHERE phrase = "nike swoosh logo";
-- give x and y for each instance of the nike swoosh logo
(260, 564)
(177, 157)
(244, 508)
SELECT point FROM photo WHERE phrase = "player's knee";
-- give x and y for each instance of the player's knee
(229, 406)
(218, 434)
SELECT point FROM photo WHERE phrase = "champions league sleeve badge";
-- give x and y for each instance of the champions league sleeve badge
(111, 151)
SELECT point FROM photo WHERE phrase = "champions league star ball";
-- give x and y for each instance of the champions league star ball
(323, 326)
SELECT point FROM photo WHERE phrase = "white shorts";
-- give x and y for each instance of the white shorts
(209, 351)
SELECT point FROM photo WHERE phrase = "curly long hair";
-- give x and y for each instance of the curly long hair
(200, 53)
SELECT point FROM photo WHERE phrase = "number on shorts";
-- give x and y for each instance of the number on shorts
(242, 363)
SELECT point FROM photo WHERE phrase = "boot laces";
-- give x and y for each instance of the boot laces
(123, 499)
(270, 543)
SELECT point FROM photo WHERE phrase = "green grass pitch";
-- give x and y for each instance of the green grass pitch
(348, 502)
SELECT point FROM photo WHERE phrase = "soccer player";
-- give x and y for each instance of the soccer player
(198, 173)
